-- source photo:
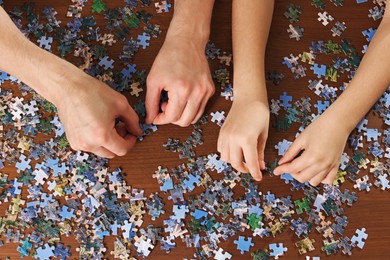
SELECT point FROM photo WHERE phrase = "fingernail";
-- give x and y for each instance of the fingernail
(276, 172)
(263, 165)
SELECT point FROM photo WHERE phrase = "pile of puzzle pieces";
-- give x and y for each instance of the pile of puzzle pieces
(61, 192)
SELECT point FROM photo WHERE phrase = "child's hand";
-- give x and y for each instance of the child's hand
(88, 112)
(243, 136)
(323, 142)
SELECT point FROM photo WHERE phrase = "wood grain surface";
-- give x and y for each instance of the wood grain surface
(370, 211)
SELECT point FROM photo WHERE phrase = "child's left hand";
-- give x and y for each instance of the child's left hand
(242, 138)
(323, 142)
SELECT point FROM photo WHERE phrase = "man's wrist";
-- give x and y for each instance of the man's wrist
(48, 74)
(180, 29)
(191, 20)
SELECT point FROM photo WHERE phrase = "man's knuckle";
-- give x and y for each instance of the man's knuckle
(122, 102)
(150, 80)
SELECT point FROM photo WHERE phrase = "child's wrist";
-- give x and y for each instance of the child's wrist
(343, 123)
(248, 92)
(249, 100)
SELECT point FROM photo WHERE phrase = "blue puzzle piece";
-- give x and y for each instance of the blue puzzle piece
(23, 164)
(191, 181)
(17, 190)
(179, 212)
(372, 134)
(44, 252)
(319, 70)
(23, 249)
(287, 177)
(286, 100)
(243, 245)
(322, 106)
(167, 184)
(282, 147)
(62, 251)
(358, 240)
(277, 250)
(198, 214)
(129, 71)
(3, 76)
(106, 63)
(66, 213)
(255, 209)
(143, 40)
(45, 42)
(369, 33)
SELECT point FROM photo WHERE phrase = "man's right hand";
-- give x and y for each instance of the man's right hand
(181, 69)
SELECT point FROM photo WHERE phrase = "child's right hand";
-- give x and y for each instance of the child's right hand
(322, 143)
(243, 136)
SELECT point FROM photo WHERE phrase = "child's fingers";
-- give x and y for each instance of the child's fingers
(306, 174)
(260, 151)
(292, 151)
(236, 158)
(293, 167)
(330, 176)
(318, 178)
(252, 161)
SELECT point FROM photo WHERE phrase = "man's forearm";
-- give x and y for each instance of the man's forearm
(251, 25)
(370, 81)
(26, 61)
(192, 19)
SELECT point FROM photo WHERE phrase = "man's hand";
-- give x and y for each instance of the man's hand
(87, 107)
(88, 114)
(181, 67)
(182, 70)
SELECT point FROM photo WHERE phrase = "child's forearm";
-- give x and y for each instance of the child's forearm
(251, 24)
(24, 60)
(371, 80)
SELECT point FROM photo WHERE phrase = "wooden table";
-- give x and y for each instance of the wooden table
(371, 209)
